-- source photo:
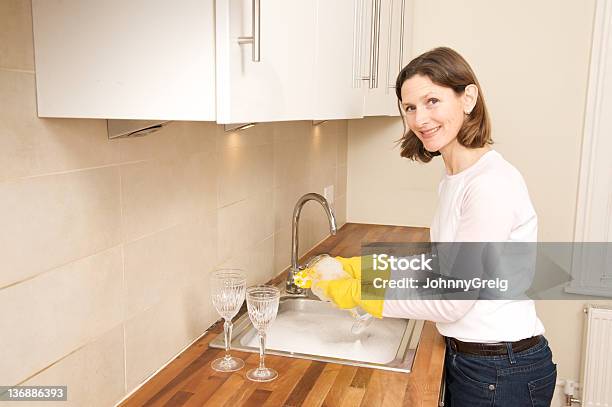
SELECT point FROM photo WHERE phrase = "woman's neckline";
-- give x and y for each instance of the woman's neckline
(471, 168)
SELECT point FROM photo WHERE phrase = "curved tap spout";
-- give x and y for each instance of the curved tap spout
(291, 288)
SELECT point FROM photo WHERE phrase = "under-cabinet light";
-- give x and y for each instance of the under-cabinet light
(238, 126)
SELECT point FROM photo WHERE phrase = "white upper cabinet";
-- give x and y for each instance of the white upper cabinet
(271, 78)
(286, 60)
(114, 59)
(385, 33)
(337, 93)
(233, 61)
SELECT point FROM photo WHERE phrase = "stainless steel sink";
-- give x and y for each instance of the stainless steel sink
(311, 329)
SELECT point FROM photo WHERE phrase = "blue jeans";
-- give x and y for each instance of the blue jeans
(519, 379)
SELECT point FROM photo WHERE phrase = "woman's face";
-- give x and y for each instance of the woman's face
(433, 112)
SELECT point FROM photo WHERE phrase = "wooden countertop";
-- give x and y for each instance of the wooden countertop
(189, 380)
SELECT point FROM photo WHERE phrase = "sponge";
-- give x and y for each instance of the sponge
(323, 268)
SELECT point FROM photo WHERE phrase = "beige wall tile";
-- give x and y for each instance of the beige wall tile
(282, 248)
(314, 225)
(291, 132)
(52, 220)
(94, 374)
(323, 146)
(343, 144)
(245, 223)
(320, 177)
(341, 179)
(257, 261)
(49, 316)
(340, 208)
(257, 135)
(318, 222)
(233, 175)
(314, 213)
(261, 162)
(310, 211)
(285, 198)
(291, 162)
(162, 193)
(16, 44)
(156, 335)
(244, 171)
(201, 312)
(330, 126)
(282, 244)
(175, 140)
(161, 264)
(33, 146)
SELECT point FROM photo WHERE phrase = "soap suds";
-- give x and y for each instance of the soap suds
(329, 334)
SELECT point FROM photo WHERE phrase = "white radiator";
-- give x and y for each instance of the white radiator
(597, 358)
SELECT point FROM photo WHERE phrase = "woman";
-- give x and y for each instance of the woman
(496, 354)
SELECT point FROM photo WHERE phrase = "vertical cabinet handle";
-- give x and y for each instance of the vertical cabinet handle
(401, 38)
(255, 38)
(375, 44)
(372, 77)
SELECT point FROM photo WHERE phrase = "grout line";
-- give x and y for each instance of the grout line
(83, 169)
(268, 190)
(172, 359)
(124, 358)
(88, 342)
(189, 220)
(51, 365)
(60, 266)
(123, 282)
(120, 244)
(17, 70)
(232, 203)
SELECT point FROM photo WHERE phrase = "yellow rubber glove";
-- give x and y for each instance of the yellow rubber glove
(352, 265)
(346, 292)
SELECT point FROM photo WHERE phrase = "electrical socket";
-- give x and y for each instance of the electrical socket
(328, 193)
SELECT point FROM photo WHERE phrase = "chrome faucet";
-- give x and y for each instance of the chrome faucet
(291, 288)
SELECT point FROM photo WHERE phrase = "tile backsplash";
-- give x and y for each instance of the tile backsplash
(106, 245)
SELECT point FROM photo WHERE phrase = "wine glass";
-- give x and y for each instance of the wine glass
(262, 303)
(362, 320)
(227, 288)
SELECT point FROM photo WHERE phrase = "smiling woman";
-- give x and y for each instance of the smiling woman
(440, 98)
(496, 354)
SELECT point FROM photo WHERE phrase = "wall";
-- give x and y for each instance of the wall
(106, 245)
(532, 61)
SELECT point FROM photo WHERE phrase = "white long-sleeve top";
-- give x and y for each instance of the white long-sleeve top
(487, 202)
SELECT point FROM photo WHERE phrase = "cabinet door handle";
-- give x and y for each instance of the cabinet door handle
(375, 44)
(372, 77)
(401, 38)
(255, 38)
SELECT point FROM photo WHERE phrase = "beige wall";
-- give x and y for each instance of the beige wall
(106, 245)
(532, 61)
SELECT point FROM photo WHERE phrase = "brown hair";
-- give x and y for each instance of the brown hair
(444, 67)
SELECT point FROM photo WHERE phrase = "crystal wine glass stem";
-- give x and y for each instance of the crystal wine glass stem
(227, 329)
(262, 349)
